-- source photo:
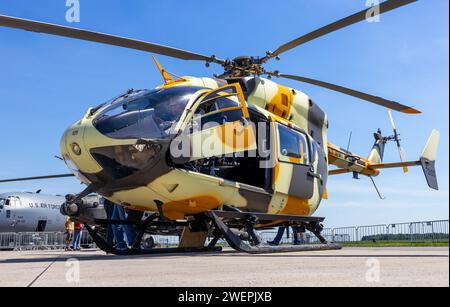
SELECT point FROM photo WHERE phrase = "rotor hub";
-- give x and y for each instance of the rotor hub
(244, 66)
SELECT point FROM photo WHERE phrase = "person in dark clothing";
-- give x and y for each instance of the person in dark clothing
(119, 236)
(124, 234)
(280, 233)
(109, 208)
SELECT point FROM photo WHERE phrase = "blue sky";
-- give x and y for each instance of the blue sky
(47, 83)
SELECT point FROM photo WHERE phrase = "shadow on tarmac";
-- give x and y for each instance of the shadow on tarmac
(84, 256)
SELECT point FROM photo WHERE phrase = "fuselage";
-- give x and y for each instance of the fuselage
(125, 149)
(31, 212)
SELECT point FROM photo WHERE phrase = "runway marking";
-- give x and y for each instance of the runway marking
(43, 272)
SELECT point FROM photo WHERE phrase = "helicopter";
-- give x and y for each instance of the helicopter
(216, 157)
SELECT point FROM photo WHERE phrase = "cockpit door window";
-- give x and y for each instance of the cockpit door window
(223, 100)
(294, 146)
(294, 155)
(219, 124)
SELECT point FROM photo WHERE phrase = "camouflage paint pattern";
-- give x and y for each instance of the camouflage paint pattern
(296, 188)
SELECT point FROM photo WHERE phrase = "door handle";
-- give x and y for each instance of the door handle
(316, 175)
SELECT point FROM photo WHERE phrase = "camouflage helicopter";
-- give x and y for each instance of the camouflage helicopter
(216, 157)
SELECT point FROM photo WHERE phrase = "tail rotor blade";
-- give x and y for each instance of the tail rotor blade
(403, 158)
(392, 119)
(401, 151)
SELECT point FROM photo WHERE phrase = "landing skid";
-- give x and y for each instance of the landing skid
(218, 224)
(236, 243)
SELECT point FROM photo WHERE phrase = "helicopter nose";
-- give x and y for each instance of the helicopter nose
(75, 152)
(106, 162)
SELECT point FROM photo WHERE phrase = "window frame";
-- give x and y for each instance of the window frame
(200, 100)
(291, 160)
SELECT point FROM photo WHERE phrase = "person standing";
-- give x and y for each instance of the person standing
(123, 234)
(78, 229)
(109, 209)
(69, 226)
(295, 231)
(276, 241)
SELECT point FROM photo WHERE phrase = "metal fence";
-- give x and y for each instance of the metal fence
(415, 232)
(430, 231)
(39, 241)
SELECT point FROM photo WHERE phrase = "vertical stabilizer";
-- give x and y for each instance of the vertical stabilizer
(167, 78)
(428, 159)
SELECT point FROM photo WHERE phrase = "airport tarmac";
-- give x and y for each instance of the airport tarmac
(347, 267)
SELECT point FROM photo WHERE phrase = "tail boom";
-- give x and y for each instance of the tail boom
(347, 162)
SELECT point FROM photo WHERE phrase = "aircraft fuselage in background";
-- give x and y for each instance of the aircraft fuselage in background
(31, 212)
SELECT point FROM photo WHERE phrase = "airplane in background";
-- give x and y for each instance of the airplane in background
(32, 212)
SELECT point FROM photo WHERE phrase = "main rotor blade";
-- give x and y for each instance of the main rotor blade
(355, 18)
(374, 99)
(37, 178)
(41, 27)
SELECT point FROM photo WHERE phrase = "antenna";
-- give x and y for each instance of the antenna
(349, 140)
(376, 188)
(352, 157)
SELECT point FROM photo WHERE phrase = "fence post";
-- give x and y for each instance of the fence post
(411, 232)
(433, 233)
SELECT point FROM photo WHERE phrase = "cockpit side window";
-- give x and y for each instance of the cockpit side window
(12, 201)
(17, 201)
(221, 106)
(226, 99)
(2, 203)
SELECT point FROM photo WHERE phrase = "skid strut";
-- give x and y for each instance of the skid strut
(258, 248)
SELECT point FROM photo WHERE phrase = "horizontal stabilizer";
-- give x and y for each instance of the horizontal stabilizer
(394, 165)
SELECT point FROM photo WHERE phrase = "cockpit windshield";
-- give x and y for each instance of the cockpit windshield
(2, 203)
(144, 114)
